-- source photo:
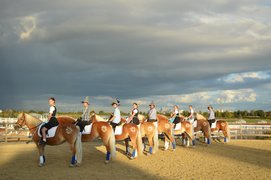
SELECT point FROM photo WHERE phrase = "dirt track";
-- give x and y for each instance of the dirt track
(246, 159)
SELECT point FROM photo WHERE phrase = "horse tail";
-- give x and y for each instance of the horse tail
(112, 144)
(78, 148)
(228, 131)
(139, 143)
(155, 139)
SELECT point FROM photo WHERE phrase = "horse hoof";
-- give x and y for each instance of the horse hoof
(72, 165)
(106, 162)
(41, 164)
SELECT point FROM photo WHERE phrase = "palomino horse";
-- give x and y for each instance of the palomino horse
(65, 131)
(103, 130)
(165, 127)
(201, 125)
(220, 125)
(185, 129)
(149, 130)
(128, 131)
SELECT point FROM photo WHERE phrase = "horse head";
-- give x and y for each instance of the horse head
(20, 121)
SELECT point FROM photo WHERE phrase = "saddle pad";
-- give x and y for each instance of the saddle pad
(118, 130)
(213, 125)
(50, 133)
(178, 126)
(87, 129)
(195, 124)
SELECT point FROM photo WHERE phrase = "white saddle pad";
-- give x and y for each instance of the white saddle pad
(51, 132)
(178, 126)
(118, 130)
(195, 124)
(87, 129)
(213, 125)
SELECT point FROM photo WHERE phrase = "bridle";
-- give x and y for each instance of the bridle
(23, 121)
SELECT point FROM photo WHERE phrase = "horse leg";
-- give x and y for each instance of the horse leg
(171, 139)
(207, 136)
(144, 143)
(225, 135)
(184, 139)
(150, 139)
(166, 144)
(42, 156)
(127, 146)
(133, 138)
(106, 140)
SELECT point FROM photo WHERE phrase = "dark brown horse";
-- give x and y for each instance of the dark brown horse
(65, 132)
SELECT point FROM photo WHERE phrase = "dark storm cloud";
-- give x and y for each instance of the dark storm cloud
(128, 49)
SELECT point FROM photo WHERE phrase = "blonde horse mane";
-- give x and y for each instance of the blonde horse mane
(98, 118)
(141, 117)
(30, 117)
(200, 117)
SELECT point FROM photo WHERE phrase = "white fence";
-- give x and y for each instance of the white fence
(244, 131)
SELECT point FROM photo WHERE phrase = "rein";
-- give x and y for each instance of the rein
(35, 126)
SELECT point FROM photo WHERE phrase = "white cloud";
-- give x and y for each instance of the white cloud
(28, 26)
(241, 77)
(232, 96)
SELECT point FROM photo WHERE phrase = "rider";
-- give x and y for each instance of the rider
(152, 114)
(211, 118)
(115, 119)
(134, 115)
(191, 117)
(52, 120)
(175, 118)
(84, 119)
(134, 120)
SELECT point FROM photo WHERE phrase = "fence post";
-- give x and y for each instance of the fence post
(241, 136)
(6, 132)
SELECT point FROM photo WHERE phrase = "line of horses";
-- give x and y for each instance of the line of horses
(67, 131)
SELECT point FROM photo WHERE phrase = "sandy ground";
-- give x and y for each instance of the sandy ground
(239, 159)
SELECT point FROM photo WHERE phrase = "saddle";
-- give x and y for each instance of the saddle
(49, 133)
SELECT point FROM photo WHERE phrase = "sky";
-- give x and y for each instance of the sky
(170, 52)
